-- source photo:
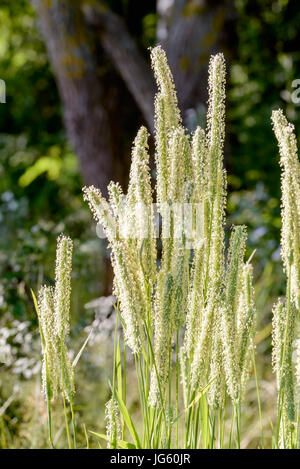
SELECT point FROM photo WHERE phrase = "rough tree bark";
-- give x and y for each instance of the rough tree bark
(126, 57)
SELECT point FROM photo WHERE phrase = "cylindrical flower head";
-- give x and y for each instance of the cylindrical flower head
(284, 328)
(51, 362)
(62, 292)
(245, 324)
(161, 149)
(46, 314)
(216, 118)
(101, 211)
(131, 301)
(202, 341)
(216, 179)
(278, 329)
(217, 389)
(199, 160)
(214, 202)
(116, 198)
(178, 146)
(290, 186)
(167, 118)
(229, 355)
(140, 192)
(195, 303)
(113, 425)
(232, 324)
(162, 338)
(233, 276)
(165, 83)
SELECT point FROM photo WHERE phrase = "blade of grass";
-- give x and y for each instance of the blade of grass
(121, 443)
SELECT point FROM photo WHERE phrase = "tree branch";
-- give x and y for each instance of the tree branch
(126, 57)
(190, 32)
(83, 92)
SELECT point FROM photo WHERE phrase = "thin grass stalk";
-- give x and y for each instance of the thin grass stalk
(154, 301)
(280, 422)
(237, 414)
(258, 397)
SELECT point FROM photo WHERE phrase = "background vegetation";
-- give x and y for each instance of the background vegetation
(41, 180)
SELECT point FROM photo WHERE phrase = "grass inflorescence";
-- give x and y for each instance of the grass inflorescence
(185, 302)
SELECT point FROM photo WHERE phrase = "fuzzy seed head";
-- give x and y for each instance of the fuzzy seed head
(246, 317)
(278, 328)
(290, 186)
(129, 295)
(101, 210)
(113, 425)
(234, 265)
(62, 292)
(51, 363)
(163, 334)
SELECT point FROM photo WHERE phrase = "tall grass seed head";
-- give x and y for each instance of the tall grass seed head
(62, 292)
(51, 362)
(113, 423)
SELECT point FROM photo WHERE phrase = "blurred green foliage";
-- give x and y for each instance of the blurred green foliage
(40, 184)
(267, 60)
(32, 99)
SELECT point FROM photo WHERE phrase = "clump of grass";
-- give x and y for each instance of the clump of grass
(185, 303)
(188, 291)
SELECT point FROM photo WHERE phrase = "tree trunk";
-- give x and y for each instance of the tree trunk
(75, 63)
(190, 31)
(126, 57)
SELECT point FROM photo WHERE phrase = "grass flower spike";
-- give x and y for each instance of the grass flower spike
(286, 315)
(54, 317)
(51, 364)
(62, 291)
(113, 425)
(187, 284)
(186, 304)
(290, 184)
